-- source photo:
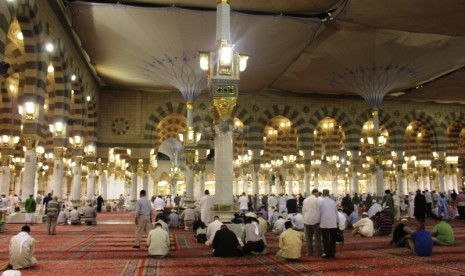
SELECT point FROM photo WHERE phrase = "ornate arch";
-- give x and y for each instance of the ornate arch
(342, 118)
(387, 121)
(155, 118)
(429, 121)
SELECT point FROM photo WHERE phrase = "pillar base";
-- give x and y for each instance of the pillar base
(76, 202)
(224, 211)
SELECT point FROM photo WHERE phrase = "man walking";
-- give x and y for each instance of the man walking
(328, 225)
(143, 217)
(53, 208)
(311, 215)
(30, 207)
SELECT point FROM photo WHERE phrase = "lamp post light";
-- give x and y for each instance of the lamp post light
(76, 143)
(190, 140)
(276, 165)
(223, 68)
(266, 168)
(377, 144)
(89, 152)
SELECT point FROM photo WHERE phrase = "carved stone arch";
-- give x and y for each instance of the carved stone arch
(451, 128)
(169, 127)
(386, 120)
(8, 9)
(438, 143)
(155, 118)
(343, 120)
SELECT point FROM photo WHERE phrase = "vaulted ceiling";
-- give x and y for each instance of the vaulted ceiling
(412, 50)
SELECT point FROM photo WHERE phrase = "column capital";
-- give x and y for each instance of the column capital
(31, 141)
(59, 153)
(223, 107)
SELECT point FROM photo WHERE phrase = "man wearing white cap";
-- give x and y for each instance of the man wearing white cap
(374, 209)
(364, 227)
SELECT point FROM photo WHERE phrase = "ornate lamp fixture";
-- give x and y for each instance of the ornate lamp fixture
(190, 139)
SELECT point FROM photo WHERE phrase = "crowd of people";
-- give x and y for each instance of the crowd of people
(317, 221)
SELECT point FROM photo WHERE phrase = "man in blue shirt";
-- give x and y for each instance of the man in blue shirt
(421, 241)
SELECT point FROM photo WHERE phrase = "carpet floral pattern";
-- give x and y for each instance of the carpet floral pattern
(106, 249)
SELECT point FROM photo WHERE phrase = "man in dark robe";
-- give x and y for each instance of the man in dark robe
(420, 207)
(225, 243)
(100, 202)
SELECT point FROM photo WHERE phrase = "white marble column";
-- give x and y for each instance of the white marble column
(202, 182)
(442, 185)
(76, 191)
(134, 188)
(145, 182)
(189, 176)
(427, 182)
(5, 178)
(58, 170)
(256, 187)
(307, 183)
(29, 174)
(355, 182)
(290, 184)
(267, 184)
(245, 184)
(421, 180)
(90, 184)
(104, 185)
(454, 180)
(223, 166)
(334, 190)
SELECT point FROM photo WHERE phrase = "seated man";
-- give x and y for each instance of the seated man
(63, 216)
(278, 226)
(353, 218)
(158, 242)
(189, 216)
(399, 236)
(364, 227)
(22, 249)
(214, 226)
(90, 215)
(160, 219)
(420, 241)
(443, 233)
(253, 237)
(385, 224)
(225, 243)
(290, 243)
(75, 217)
(173, 219)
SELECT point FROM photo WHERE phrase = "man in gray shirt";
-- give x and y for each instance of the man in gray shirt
(143, 217)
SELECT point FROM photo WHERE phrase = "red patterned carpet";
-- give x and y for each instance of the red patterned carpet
(106, 249)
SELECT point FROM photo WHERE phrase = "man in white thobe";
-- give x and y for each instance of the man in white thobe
(206, 202)
(364, 226)
(158, 241)
(22, 249)
(211, 230)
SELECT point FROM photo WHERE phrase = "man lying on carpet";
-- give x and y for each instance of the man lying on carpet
(421, 241)
(22, 249)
